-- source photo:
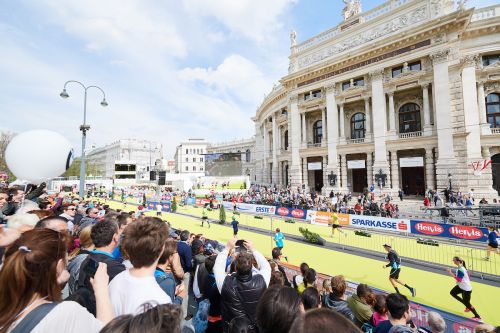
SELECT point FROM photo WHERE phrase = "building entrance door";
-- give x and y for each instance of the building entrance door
(359, 180)
(495, 170)
(412, 179)
(318, 180)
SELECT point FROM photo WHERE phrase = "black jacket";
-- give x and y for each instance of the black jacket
(240, 295)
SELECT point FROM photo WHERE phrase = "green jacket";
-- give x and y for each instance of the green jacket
(362, 311)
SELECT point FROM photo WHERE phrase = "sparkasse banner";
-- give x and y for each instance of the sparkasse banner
(380, 223)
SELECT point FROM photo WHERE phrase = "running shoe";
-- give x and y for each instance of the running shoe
(413, 292)
(486, 258)
(478, 319)
(466, 310)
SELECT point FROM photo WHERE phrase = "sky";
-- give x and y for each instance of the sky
(171, 69)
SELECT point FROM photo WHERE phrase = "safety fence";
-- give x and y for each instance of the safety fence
(419, 312)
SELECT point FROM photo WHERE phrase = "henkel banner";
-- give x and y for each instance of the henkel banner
(429, 228)
(165, 206)
(380, 223)
(295, 213)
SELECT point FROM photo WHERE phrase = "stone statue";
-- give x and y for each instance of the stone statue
(352, 8)
(293, 38)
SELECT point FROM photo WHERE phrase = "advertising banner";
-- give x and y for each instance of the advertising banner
(379, 223)
(449, 230)
(191, 201)
(319, 218)
(291, 212)
(165, 206)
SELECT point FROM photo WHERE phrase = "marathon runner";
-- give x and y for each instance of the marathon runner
(395, 265)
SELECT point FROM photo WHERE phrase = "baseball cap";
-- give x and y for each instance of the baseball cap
(387, 245)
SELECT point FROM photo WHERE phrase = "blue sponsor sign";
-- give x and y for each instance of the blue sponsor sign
(430, 228)
(295, 213)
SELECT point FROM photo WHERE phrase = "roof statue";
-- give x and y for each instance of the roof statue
(293, 38)
(352, 8)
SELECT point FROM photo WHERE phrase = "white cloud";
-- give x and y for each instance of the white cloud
(236, 76)
(254, 19)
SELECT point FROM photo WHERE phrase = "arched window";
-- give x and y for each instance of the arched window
(317, 131)
(247, 155)
(409, 118)
(493, 110)
(286, 139)
(358, 126)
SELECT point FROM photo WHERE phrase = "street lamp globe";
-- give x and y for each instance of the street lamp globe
(104, 103)
(64, 94)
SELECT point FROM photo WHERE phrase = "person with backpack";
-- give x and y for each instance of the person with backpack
(395, 265)
(463, 286)
(31, 279)
(105, 237)
(166, 279)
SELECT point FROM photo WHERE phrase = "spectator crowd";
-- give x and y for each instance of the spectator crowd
(76, 265)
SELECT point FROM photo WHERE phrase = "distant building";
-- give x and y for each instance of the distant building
(189, 156)
(126, 159)
(247, 149)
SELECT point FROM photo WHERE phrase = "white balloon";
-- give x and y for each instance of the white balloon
(38, 155)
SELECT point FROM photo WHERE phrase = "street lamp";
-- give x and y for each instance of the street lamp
(84, 128)
(449, 180)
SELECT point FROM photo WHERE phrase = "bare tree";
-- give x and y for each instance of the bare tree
(5, 138)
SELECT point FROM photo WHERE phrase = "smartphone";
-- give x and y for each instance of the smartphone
(91, 267)
(239, 246)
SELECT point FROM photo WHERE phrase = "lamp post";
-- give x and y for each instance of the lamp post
(449, 181)
(84, 128)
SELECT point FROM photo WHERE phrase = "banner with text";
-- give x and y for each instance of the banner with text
(379, 223)
(295, 213)
(326, 218)
(429, 228)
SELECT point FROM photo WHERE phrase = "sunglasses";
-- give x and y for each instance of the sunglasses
(71, 209)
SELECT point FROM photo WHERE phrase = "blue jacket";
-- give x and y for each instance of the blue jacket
(167, 283)
(185, 255)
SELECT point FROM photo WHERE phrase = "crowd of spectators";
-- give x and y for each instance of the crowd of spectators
(76, 265)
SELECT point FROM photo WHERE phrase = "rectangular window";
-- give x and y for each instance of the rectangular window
(346, 85)
(187, 168)
(415, 66)
(397, 71)
(201, 159)
(187, 159)
(187, 151)
(490, 59)
(359, 82)
(194, 168)
(194, 159)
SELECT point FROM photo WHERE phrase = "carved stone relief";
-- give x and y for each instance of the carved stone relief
(396, 24)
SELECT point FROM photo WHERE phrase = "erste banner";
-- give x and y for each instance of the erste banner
(455, 231)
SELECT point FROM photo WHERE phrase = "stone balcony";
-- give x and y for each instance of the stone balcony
(355, 141)
(495, 130)
(410, 135)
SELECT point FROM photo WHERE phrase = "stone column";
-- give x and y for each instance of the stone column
(368, 118)
(259, 154)
(392, 114)
(274, 174)
(279, 180)
(395, 170)
(280, 133)
(323, 128)
(304, 130)
(325, 175)
(333, 135)
(481, 102)
(471, 113)
(430, 179)
(379, 124)
(342, 119)
(427, 109)
(344, 171)
(294, 141)
(265, 166)
(369, 168)
(446, 152)
(305, 173)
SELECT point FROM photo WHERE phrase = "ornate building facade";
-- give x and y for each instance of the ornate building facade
(406, 95)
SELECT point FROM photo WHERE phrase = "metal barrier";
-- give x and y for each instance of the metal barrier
(419, 312)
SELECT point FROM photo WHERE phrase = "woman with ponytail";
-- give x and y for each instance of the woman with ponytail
(32, 276)
(463, 286)
(309, 281)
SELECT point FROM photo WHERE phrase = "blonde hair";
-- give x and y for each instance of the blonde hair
(85, 242)
(484, 328)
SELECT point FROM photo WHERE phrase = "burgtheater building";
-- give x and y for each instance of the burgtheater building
(406, 95)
